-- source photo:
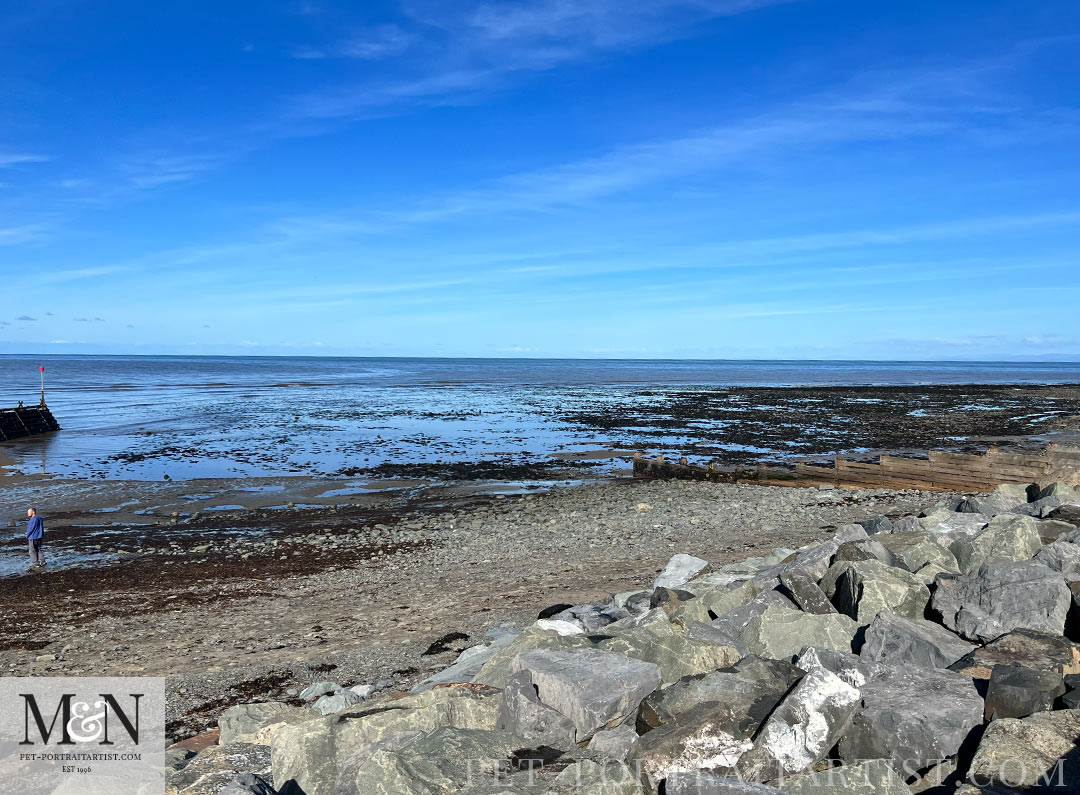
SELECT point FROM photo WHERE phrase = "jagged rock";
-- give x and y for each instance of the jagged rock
(703, 784)
(467, 665)
(944, 777)
(1060, 489)
(899, 640)
(594, 689)
(212, 768)
(949, 527)
(869, 549)
(1061, 556)
(803, 590)
(1040, 509)
(715, 635)
(1035, 650)
(1007, 537)
(781, 634)
(906, 524)
(313, 691)
(522, 713)
(596, 779)
(699, 740)
(745, 693)
(930, 572)
(1016, 692)
(559, 626)
(850, 668)
(999, 597)
(734, 621)
(913, 716)
(676, 655)
(874, 777)
(1034, 751)
(714, 601)
(590, 618)
(670, 599)
(313, 752)
(439, 763)
(868, 587)
(915, 549)
(832, 575)
(679, 570)
(620, 743)
(331, 703)
(497, 669)
(808, 722)
(241, 723)
(816, 559)
(1051, 530)
(1021, 492)
(990, 504)
(247, 784)
(849, 532)
(877, 524)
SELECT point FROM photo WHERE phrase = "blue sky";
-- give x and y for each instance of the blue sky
(675, 178)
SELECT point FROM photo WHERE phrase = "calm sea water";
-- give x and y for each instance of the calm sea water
(143, 417)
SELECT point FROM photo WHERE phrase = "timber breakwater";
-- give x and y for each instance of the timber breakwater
(929, 652)
(22, 421)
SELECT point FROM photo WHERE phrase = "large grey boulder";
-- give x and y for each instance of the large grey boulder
(715, 601)
(594, 689)
(704, 784)
(619, 744)
(745, 693)
(591, 618)
(609, 778)
(869, 549)
(467, 665)
(247, 784)
(868, 587)
(873, 777)
(217, 766)
(950, 526)
(913, 716)
(999, 597)
(781, 634)
(675, 654)
(849, 667)
(523, 714)
(1061, 556)
(808, 722)
(497, 669)
(1016, 692)
(991, 504)
(1058, 488)
(1007, 537)
(679, 571)
(700, 740)
(1040, 509)
(314, 752)
(1032, 752)
(900, 640)
(1035, 650)
(734, 621)
(803, 590)
(440, 763)
(241, 724)
(877, 524)
(335, 702)
(1051, 530)
(915, 549)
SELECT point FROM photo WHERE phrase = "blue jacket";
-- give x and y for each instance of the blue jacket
(34, 528)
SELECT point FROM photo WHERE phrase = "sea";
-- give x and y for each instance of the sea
(148, 417)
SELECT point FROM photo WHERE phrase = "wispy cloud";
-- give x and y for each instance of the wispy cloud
(9, 159)
(18, 235)
(458, 49)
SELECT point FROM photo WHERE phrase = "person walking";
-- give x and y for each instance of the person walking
(35, 528)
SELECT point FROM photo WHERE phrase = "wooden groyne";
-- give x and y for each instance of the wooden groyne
(939, 470)
(23, 421)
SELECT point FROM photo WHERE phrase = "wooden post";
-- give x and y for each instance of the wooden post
(42, 368)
